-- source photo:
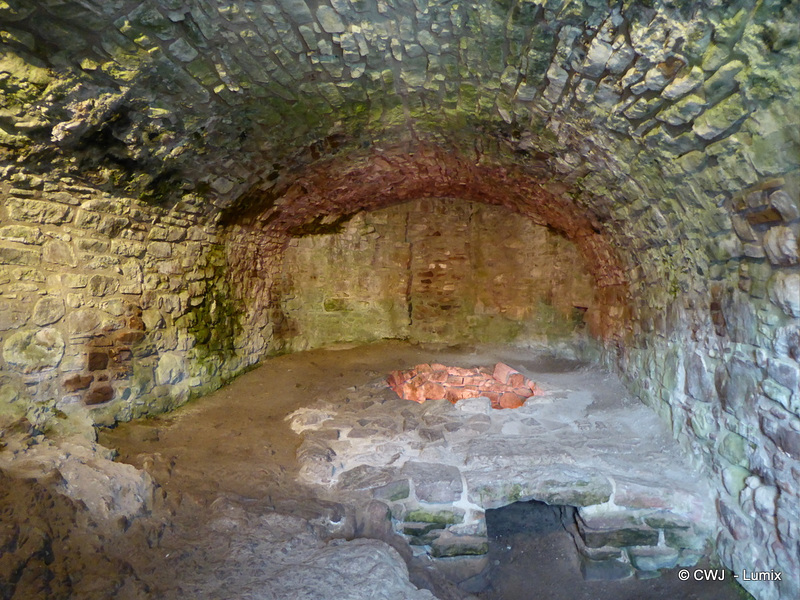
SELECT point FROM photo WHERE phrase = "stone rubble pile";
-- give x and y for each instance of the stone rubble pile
(505, 387)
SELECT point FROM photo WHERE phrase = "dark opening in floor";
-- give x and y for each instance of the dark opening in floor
(532, 555)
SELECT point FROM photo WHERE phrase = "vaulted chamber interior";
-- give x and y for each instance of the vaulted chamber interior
(190, 188)
(434, 270)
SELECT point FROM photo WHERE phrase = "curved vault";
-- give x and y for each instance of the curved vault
(340, 187)
(142, 142)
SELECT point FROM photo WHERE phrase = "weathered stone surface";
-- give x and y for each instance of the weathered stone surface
(788, 208)
(448, 544)
(36, 211)
(98, 394)
(21, 234)
(618, 538)
(34, 350)
(699, 381)
(84, 321)
(394, 490)
(77, 382)
(227, 137)
(605, 570)
(59, 252)
(330, 20)
(48, 310)
(654, 559)
(783, 435)
(683, 84)
(96, 361)
(364, 568)
(101, 285)
(781, 246)
(12, 316)
(18, 256)
(434, 483)
(171, 368)
(784, 291)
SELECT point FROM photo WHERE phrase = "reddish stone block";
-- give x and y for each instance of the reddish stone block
(413, 390)
(395, 380)
(433, 391)
(78, 382)
(516, 380)
(494, 398)
(99, 394)
(97, 361)
(439, 375)
(502, 372)
(459, 372)
(451, 395)
(511, 400)
(130, 337)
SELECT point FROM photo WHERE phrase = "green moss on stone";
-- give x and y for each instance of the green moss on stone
(444, 517)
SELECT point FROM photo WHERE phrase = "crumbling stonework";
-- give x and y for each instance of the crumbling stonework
(504, 387)
(156, 157)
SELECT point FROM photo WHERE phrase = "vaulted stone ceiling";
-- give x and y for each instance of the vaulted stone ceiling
(662, 137)
(233, 100)
(231, 105)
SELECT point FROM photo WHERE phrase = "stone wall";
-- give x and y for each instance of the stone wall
(721, 365)
(434, 270)
(108, 304)
(660, 137)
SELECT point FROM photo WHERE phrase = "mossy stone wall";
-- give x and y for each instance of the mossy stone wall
(434, 270)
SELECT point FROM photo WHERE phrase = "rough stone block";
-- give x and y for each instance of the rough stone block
(780, 245)
(77, 382)
(19, 256)
(36, 211)
(96, 361)
(618, 538)
(84, 320)
(784, 291)
(98, 394)
(434, 482)
(448, 544)
(171, 368)
(34, 350)
(783, 435)
(446, 517)
(653, 559)
(22, 234)
(48, 310)
(788, 208)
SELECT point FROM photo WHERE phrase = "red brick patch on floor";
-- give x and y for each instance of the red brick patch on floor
(505, 387)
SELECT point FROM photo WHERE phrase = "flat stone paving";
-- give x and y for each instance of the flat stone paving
(583, 441)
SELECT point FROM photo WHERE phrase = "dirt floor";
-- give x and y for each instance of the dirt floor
(233, 453)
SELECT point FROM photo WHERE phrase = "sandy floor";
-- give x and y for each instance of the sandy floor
(234, 452)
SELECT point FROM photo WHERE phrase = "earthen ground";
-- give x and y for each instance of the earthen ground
(235, 451)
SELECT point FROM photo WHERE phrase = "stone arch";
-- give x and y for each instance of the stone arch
(148, 142)
(342, 186)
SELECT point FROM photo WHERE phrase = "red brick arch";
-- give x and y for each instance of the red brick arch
(381, 178)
